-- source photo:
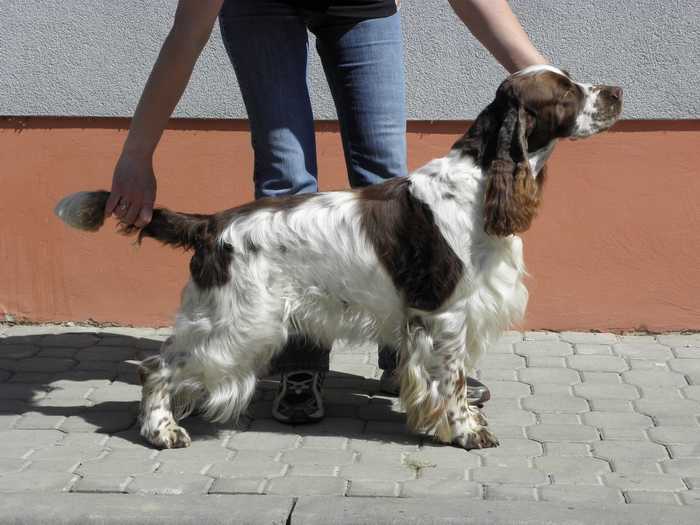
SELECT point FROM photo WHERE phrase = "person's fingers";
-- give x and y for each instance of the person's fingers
(122, 208)
(132, 213)
(112, 202)
(145, 215)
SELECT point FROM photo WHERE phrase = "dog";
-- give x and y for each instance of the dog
(429, 263)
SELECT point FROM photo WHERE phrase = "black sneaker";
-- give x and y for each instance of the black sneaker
(298, 399)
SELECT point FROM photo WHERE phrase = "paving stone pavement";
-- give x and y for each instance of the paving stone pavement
(582, 418)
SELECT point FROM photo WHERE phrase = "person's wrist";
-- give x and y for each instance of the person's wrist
(137, 150)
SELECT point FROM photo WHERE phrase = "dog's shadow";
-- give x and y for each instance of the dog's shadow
(83, 382)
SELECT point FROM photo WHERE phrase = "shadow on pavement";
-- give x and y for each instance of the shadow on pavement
(84, 382)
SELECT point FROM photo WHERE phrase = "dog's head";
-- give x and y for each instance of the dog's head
(512, 138)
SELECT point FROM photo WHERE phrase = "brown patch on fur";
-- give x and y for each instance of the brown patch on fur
(461, 381)
(528, 113)
(211, 262)
(409, 244)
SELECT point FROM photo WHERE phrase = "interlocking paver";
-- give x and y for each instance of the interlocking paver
(108, 465)
(263, 441)
(580, 494)
(679, 407)
(629, 482)
(565, 448)
(545, 361)
(624, 434)
(691, 392)
(442, 456)
(569, 433)
(682, 467)
(308, 486)
(544, 348)
(554, 403)
(169, 484)
(507, 361)
(640, 350)
(27, 481)
(252, 485)
(369, 488)
(636, 465)
(549, 418)
(592, 349)
(38, 421)
(106, 483)
(540, 335)
(616, 449)
(422, 488)
(653, 378)
(690, 497)
(11, 465)
(503, 389)
(380, 472)
(507, 461)
(563, 389)
(246, 467)
(29, 438)
(679, 340)
(17, 351)
(573, 470)
(606, 391)
(669, 435)
(509, 493)
(73, 340)
(509, 417)
(608, 378)
(317, 457)
(549, 375)
(647, 497)
(598, 338)
(617, 419)
(509, 475)
(597, 363)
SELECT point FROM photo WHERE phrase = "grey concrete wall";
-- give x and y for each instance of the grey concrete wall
(91, 58)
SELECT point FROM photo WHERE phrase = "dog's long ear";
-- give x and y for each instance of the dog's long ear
(512, 193)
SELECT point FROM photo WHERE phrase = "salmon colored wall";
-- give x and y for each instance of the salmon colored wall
(615, 247)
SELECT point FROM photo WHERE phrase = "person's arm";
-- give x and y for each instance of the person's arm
(134, 184)
(493, 23)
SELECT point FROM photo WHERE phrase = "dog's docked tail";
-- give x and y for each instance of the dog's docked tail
(85, 210)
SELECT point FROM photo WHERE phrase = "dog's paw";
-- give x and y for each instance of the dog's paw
(170, 436)
(480, 437)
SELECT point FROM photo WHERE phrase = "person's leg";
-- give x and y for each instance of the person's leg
(363, 62)
(364, 65)
(266, 41)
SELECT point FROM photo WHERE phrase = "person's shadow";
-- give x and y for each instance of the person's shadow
(88, 382)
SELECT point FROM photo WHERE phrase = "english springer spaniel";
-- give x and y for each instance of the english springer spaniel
(429, 263)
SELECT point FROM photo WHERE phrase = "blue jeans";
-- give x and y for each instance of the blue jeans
(267, 43)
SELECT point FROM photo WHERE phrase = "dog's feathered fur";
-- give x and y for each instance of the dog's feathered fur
(428, 263)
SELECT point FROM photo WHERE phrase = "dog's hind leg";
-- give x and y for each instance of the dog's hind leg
(433, 383)
(158, 423)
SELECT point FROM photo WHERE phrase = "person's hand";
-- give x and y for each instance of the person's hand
(133, 191)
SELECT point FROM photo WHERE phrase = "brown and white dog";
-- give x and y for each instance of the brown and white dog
(429, 263)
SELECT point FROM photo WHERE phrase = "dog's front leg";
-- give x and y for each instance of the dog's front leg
(158, 425)
(434, 387)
